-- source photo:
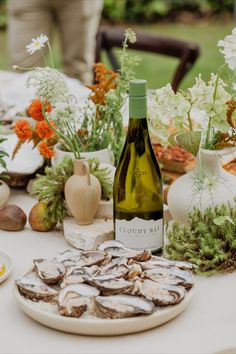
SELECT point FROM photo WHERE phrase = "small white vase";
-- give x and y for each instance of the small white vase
(4, 193)
(104, 155)
(208, 184)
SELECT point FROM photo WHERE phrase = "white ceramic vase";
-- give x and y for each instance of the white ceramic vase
(208, 184)
(4, 193)
(104, 155)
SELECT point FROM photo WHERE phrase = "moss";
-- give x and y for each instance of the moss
(209, 241)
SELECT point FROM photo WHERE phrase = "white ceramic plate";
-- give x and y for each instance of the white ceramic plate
(6, 260)
(96, 326)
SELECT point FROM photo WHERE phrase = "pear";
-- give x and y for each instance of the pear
(37, 218)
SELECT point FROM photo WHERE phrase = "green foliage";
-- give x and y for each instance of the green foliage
(3, 153)
(190, 141)
(49, 188)
(209, 241)
(150, 10)
(107, 131)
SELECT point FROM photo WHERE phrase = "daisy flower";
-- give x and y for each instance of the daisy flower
(37, 44)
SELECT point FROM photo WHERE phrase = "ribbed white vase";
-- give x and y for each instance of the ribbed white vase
(103, 156)
(208, 184)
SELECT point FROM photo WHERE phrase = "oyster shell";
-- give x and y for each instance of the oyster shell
(75, 275)
(170, 276)
(161, 294)
(73, 299)
(32, 287)
(120, 306)
(111, 286)
(68, 257)
(135, 271)
(116, 268)
(89, 258)
(117, 249)
(49, 270)
(155, 262)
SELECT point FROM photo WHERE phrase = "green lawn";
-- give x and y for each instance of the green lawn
(157, 69)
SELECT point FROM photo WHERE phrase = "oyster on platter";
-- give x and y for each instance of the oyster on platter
(75, 275)
(117, 249)
(32, 287)
(73, 299)
(155, 262)
(171, 276)
(112, 282)
(111, 286)
(120, 306)
(49, 271)
(161, 294)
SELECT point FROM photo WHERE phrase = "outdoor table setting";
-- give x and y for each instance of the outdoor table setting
(101, 249)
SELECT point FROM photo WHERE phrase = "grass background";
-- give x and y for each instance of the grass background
(158, 70)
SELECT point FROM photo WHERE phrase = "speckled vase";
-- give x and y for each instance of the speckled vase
(208, 184)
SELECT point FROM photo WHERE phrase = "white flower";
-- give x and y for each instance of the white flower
(37, 44)
(229, 49)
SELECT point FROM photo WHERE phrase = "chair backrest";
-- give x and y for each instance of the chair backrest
(110, 37)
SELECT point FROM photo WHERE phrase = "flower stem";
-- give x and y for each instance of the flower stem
(50, 53)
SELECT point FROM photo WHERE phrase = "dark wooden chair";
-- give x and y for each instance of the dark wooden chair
(110, 37)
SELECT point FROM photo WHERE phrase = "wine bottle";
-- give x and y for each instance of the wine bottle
(137, 193)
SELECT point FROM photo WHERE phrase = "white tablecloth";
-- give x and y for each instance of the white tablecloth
(208, 325)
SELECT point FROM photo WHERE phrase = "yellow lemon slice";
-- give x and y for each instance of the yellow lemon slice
(2, 269)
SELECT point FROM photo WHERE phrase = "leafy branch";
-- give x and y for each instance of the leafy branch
(49, 188)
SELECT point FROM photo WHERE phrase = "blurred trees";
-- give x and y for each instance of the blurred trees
(150, 10)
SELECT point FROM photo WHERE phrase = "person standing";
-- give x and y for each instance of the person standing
(77, 22)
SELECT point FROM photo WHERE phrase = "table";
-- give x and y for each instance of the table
(208, 325)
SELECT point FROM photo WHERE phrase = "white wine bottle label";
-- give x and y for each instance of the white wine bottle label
(140, 234)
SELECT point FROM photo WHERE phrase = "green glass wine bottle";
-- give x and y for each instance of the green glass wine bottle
(137, 193)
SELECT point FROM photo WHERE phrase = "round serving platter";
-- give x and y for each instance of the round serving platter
(47, 315)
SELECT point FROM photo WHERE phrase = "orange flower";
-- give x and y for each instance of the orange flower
(35, 109)
(22, 130)
(44, 131)
(45, 150)
(105, 81)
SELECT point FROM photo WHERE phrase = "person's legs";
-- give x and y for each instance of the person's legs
(78, 22)
(27, 19)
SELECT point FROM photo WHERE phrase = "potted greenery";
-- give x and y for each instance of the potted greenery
(64, 126)
(202, 121)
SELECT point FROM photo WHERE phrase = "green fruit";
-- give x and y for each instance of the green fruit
(37, 218)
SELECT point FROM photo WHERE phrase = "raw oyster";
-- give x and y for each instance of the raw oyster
(32, 287)
(89, 258)
(49, 270)
(68, 257)
(73, 299)
(170, 276)
(75, 275)
(155, 262)
(161, 294)
(117, 249)
(111, 286)
(116, 268)
(120, 306)
(135, 271)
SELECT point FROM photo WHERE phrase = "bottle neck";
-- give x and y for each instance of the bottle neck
(138, 107)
